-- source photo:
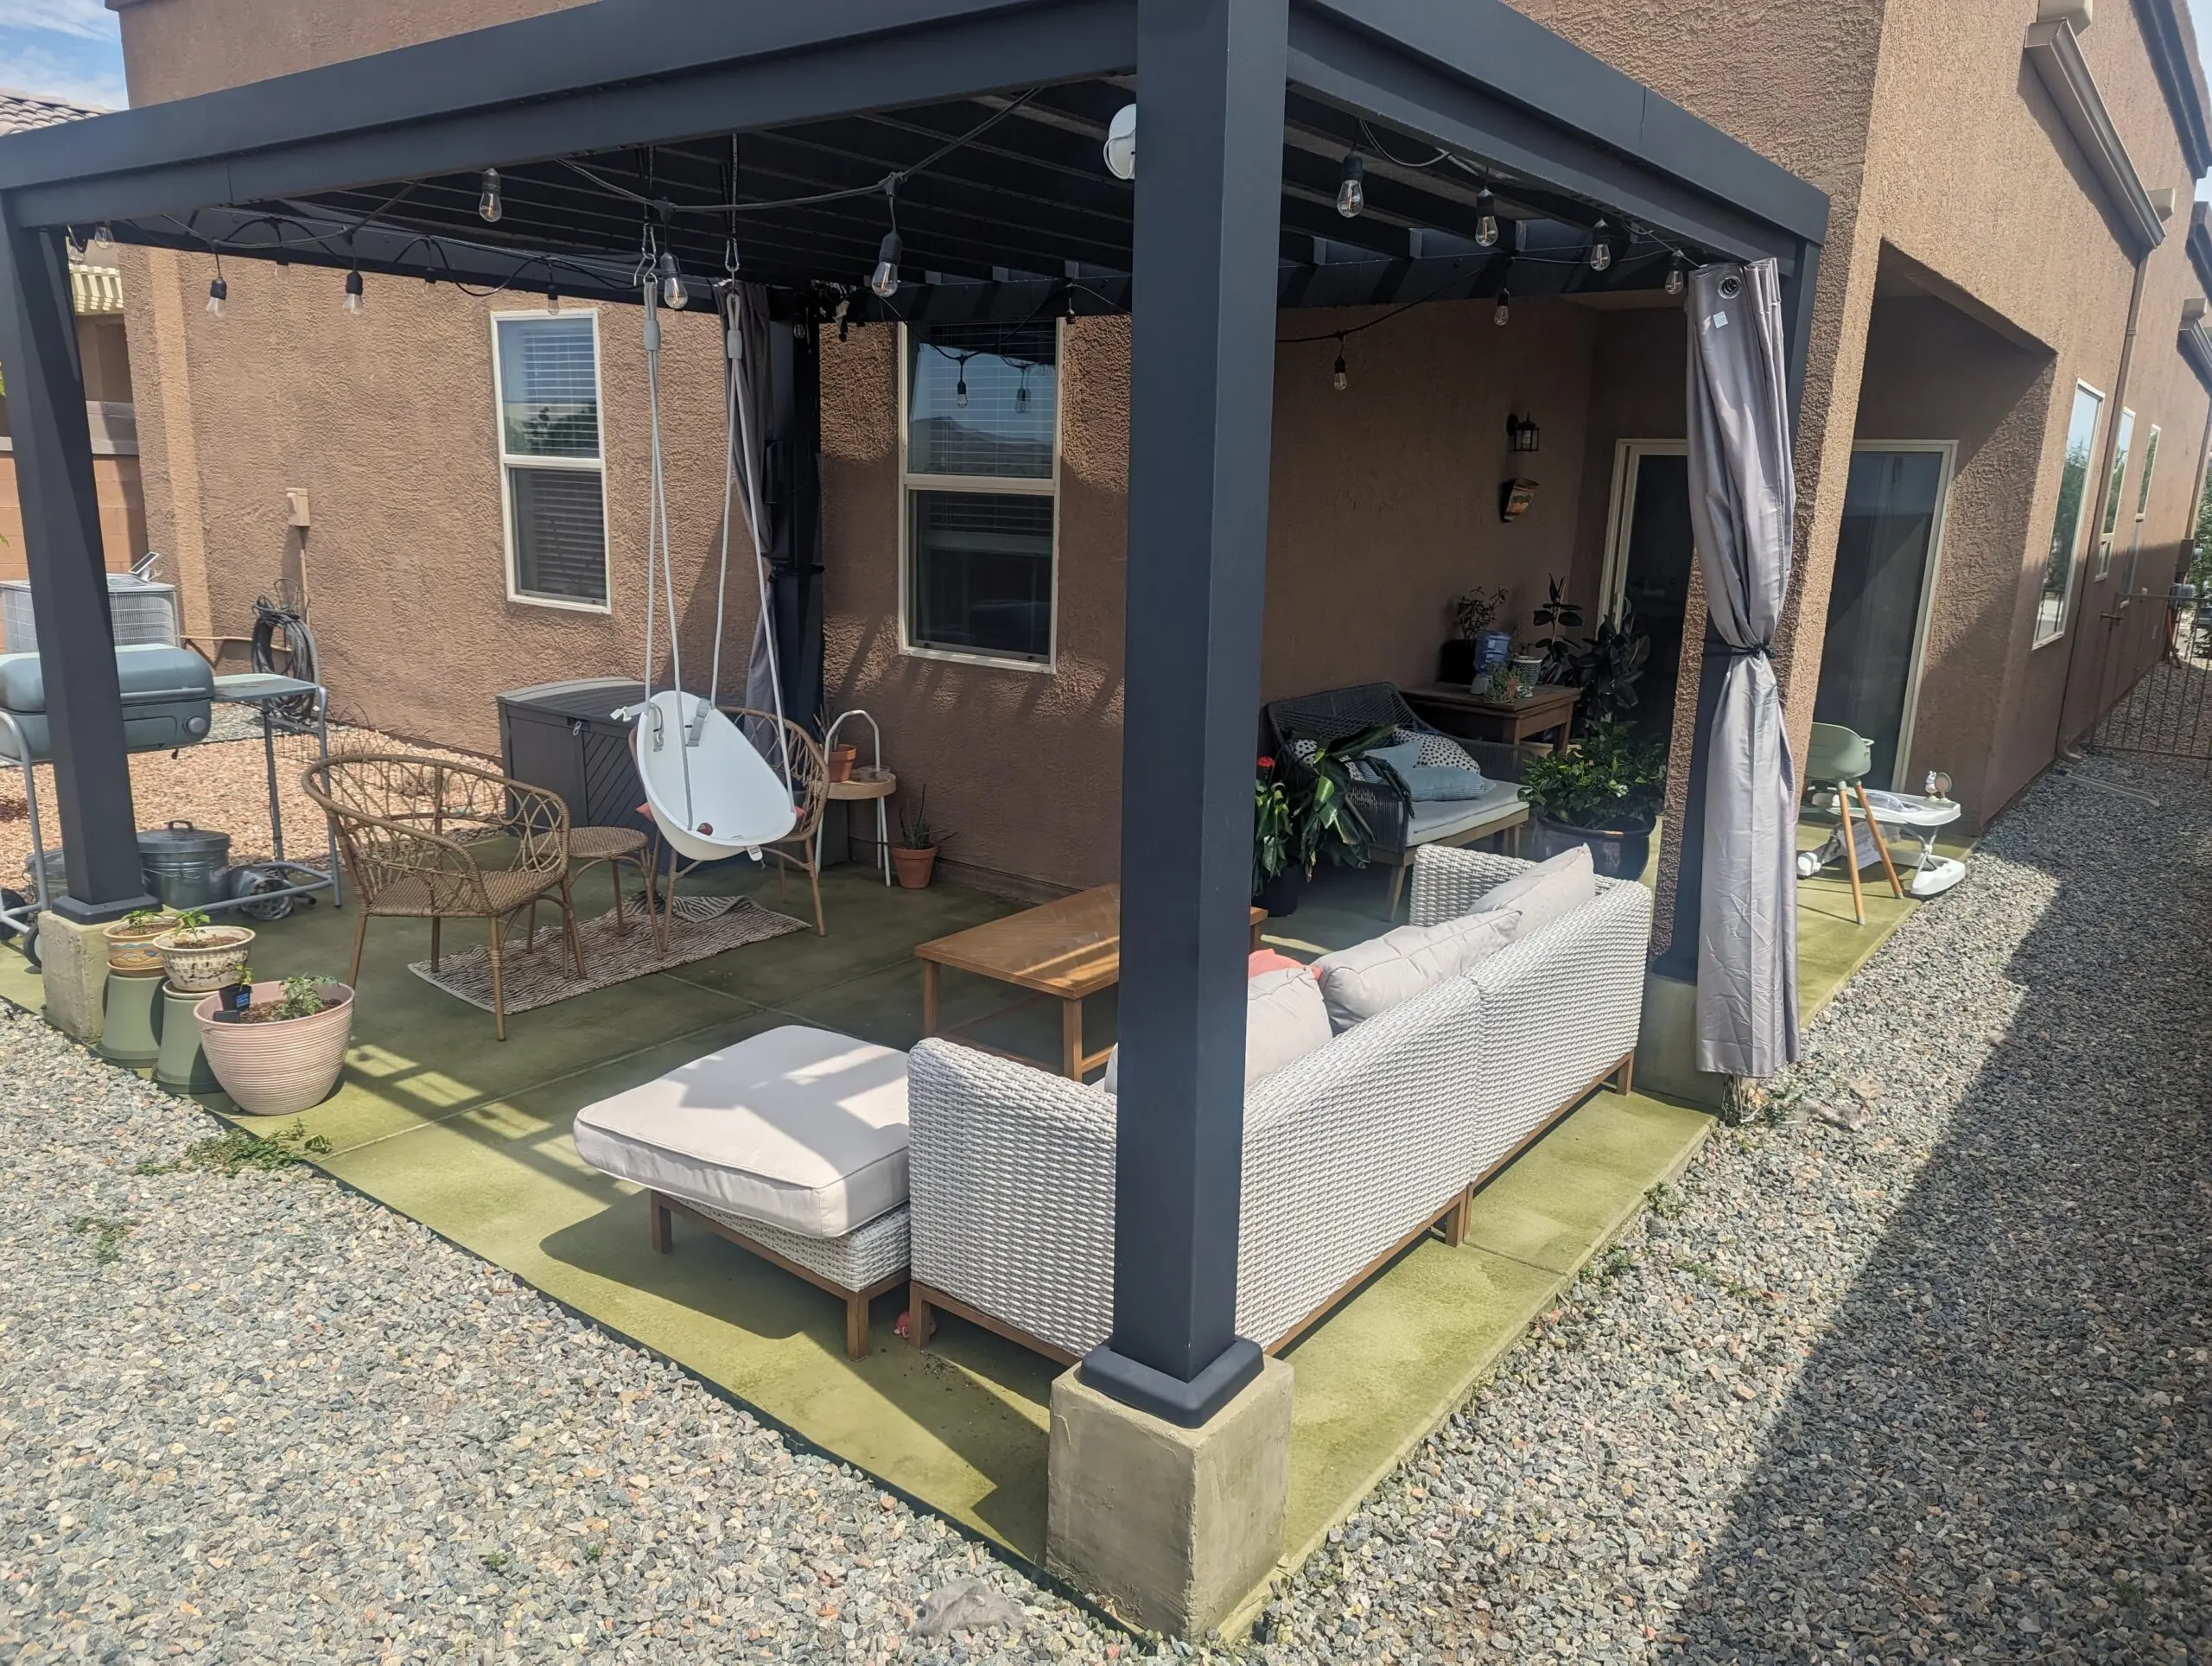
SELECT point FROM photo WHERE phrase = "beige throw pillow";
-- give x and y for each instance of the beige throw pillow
(1373, 977)
(1284, 1020)
(1557, 885)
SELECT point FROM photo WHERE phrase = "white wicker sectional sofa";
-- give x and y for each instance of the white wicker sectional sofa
(1350, 1152)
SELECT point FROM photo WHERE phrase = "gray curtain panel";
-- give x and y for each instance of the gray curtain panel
(745, 319)
(1743, 497)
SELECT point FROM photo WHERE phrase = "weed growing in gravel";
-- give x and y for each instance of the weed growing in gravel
(1706, 1274)
(495, 1560)
(1668, 1202)
(107, 1243)
(593, 1552)
(235, 1149)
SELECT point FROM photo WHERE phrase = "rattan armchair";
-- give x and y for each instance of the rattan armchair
(405, 829)
(810, 793)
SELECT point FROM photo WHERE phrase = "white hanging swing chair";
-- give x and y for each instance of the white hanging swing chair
(710, 790)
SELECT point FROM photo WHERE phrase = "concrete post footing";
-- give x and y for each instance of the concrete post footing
(1666, 1047)
(73, 966)
(1174, 1527)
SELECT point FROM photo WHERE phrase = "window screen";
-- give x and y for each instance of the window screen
(983, 418)
(548, 377)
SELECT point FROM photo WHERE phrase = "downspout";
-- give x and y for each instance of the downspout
(2064, 749)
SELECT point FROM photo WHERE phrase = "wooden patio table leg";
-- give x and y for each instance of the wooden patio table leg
(361, 938)
(856, 1327)
(1851, 854)
(933, 974)
(917, 1317)
(1072, 1039)
(657, 1216)
(1881, 844)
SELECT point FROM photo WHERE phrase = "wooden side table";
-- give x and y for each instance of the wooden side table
(1545, 715)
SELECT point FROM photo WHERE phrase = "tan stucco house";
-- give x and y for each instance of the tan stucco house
(2002, 436)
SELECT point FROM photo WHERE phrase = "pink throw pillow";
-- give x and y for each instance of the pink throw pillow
(1269, 960)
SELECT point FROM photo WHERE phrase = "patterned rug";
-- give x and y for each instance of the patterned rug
(538, 977)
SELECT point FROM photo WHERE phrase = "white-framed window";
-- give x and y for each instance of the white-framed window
(2123, 443)
(552, 464)
(2073, 512)
(2142, 507)
(979, 450)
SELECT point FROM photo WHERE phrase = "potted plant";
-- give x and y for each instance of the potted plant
(1604, 790)
(1556, 618)
(131, 940)
(842, 756)
(1326, 817)
(200, 957)
(1610, 662)
(284, 1051)
(1473, 611)
(1276, 879)
(914, 854)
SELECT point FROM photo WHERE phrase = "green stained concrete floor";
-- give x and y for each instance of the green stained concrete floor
(471, 1136)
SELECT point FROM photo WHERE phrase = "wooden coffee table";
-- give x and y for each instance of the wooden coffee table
(1061, 951)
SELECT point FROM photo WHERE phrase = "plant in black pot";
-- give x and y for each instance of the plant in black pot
(1605, 792)
(1473, 612)
(1612, 661)
(1276, 878)
(1555, 618)
(1326, 789)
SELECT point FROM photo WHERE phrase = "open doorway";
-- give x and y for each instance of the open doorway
(1885, 565)
(1649, 549)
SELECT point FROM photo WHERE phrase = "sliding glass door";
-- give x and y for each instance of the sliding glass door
(1885, 566)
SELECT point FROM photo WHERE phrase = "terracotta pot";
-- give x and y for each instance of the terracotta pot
(282, 1066)
(208, 965)
(842, 757)
(914, 866)
(130, 949)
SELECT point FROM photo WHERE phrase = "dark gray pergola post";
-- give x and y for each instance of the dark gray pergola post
(61, 536)
(1209, 90)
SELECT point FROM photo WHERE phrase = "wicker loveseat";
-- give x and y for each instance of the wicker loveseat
(1351, 1152)
(1398, 829)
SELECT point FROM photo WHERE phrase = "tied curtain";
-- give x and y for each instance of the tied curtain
(745, 327)
(1743, 503)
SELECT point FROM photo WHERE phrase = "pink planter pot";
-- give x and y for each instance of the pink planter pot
(278, 1068)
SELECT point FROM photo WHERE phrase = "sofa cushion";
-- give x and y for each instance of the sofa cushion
(1437, 749)
(1498, 803)
(798, 1128)
(1271, 960)
(1284, 1020)
(1559, 885)
(1443, 783)
(1400, 758)
(1373, 977)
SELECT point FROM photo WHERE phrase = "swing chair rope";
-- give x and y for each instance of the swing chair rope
(656, 535)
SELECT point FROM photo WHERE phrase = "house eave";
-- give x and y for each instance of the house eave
(2055, 53)
(2172, 43)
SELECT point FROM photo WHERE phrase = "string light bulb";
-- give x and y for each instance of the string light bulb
(674, 294)
(488, 205)
(1351, 187)
(1601, 246)
(1502, 314)
(1486, 220)
(219, 294)
(1338, 378)
(103, 236)
(887, 254)
(78, 240)
(354, 298)
(552, 299)
(1675, 275)
(960, 393)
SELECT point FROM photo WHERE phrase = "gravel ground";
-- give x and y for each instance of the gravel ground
(1914, 1367)
(221, 783)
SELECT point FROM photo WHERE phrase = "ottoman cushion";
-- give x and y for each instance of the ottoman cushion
(797, 1127)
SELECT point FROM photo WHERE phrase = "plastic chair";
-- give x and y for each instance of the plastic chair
(1839, 758)
(797, 849)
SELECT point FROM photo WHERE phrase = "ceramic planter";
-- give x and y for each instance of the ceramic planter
(282, 1066)
(1616, 854)
(215, 959)
(131, 948)
(914, 866)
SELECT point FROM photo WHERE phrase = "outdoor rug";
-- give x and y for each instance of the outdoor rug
(538, 977)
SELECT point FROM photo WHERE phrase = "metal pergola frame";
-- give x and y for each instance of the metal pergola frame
(1245, 105)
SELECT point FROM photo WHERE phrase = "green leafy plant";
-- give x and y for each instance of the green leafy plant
(915, 832)
(1475, 611)
(1556, 617)
(142, 918)
(107, 1236)
(1324, 812)
(236, 1150)
(1273, 826)
(302, 998)
(1504, 683)
(1610, 779)
(1610, 662)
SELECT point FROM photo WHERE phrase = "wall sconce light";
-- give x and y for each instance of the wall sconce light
(1523, 433)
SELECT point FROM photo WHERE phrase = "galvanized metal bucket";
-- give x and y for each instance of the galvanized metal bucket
(185, 866)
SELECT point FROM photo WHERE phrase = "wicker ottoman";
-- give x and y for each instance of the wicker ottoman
(790, 1144)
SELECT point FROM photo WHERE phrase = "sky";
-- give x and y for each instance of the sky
(72, 49)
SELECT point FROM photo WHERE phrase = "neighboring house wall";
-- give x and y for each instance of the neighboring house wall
(108, 394)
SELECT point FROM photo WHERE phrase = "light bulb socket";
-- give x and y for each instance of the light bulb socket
(353, 296)
(488, 204)
(1339, 378)
(1351, 186)
(219, 292)
(887, 256)
(552, 298)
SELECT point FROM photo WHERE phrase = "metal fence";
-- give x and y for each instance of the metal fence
(2168, 714)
